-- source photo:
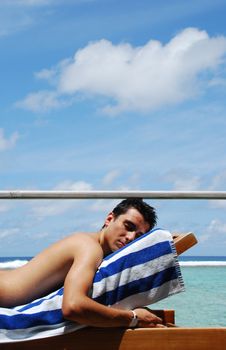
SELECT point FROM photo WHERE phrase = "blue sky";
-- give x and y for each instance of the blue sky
(109, 95)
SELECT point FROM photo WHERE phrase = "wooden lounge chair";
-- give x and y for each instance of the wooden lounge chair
(171, 338)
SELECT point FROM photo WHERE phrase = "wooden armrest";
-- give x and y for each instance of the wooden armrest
(167, 316)
(184, 241)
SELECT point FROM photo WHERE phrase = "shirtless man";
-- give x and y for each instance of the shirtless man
(73, 261)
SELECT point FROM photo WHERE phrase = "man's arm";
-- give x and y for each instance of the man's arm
(77, 306)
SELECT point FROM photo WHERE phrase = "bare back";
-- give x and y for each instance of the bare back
(48, 270)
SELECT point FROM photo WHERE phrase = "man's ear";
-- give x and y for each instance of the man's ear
(108, 219)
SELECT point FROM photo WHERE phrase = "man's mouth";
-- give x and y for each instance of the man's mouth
(121, 244)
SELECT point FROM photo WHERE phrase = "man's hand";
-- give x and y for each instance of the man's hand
(146, 319)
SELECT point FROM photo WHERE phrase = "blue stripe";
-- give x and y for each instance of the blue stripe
(138, 286)
(133, 259)
(26, 320)
(40, 301)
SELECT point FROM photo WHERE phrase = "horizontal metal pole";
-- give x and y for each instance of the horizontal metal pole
(112, 194)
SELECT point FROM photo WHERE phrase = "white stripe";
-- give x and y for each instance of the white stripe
(51, 304)
(49, 296)
(38, 332)
(132, 274)
(7, 312)
(150, 297)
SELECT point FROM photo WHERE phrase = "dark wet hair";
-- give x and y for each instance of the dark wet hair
(144, 209)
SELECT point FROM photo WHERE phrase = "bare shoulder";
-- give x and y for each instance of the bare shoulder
(83, 239)
(84, 245)
(83, 249)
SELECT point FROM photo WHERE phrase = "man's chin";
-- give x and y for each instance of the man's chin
(114, 249)
(117, 247)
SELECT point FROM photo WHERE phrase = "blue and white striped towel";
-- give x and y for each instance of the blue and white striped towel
(142, 273)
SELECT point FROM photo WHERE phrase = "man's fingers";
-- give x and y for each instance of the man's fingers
(160, 326)
(158, 320)
(156, 325)
(147, 318)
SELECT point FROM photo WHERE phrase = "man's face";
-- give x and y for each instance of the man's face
(123, 229)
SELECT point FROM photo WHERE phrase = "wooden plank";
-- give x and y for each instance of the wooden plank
(184, 241)
(167, 316)
(137, 339)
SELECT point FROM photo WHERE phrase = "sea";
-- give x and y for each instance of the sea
(203, 304)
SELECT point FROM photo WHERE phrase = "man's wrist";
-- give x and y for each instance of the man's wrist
(134, 320)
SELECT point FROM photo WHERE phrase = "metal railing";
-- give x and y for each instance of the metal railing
(21, 194)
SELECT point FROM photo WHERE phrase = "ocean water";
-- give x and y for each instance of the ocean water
(203, 304)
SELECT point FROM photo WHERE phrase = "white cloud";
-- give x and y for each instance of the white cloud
(220, 204)
(53, 74)
(58, 207)
(183, 181)
(52, 208)
(110, 177)
(137, 78)
(203, 238)
(45, 100)
(187, 184)
(3, 32)
(68, 185)
(7, 143)
(40, 235)
(218, 184)
(4, 207)
(26, 2)
(34, 2)
(217, 82)
(41, 101)
(17, 15)
(9, 232)
(104, 206)
(13, 19)
(218, 181)
(30, 3)
(216, 229)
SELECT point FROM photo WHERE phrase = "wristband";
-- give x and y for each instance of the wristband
(134, 320)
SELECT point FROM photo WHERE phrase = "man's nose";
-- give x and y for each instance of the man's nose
(130, 236)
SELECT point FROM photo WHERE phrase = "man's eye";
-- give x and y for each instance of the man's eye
(130, 227)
